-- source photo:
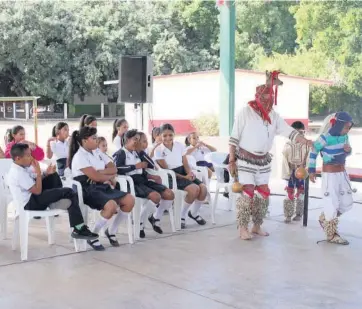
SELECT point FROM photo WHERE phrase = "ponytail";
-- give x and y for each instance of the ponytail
(54, 133)
(9, 136)
(115, 130)
(82, 120)
(187, 142)
(73, 147)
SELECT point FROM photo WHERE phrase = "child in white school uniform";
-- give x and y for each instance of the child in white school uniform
(198, 150)
(120, 127)
(172, 155)
(146, 186)
(58, 146)
(33, 194)
(87, 121)
(93, 169)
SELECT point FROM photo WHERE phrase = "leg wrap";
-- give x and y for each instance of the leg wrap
(259, 210)
(243, 210)
(331, 231)
(299, 207)
(288, 209)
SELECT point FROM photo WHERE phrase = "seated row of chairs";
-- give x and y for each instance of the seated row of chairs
(22, 217)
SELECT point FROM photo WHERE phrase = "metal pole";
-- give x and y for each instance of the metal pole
(14, 110)
(27, 110)
(4, 110)
(227, 67)
(65, 107)
(102, 110)
(35, 111)
(306, 202)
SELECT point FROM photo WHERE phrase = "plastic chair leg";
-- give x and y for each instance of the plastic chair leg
(131, 229)
(24, 236)
(15, 239)
(136, 219)
(172, 219)
(50, 229)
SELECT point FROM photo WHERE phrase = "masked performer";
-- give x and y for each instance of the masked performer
(250, 142)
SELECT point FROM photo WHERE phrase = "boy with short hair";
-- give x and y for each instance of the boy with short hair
(294, 156)
(32, 195)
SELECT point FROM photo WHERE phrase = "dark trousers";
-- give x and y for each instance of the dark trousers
(53, 192)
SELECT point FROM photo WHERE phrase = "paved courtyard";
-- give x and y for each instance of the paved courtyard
(203, 267)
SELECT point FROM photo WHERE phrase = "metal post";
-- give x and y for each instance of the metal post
(27, 111)
(65, 108)
(14, 110)
(102, 110)
(4, 110)
(306, 200)
(35, 111)
(227, 67)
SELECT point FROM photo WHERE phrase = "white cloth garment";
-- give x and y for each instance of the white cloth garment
(117, 142)
(132, 158)
(199, 153)
(251, 174)
(256, 136)
(172, 157)
(337, 194)
(60, 149)
(83, 159)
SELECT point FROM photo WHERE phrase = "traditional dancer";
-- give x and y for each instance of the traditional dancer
(294, 156)
(250, 142)
(334, 147)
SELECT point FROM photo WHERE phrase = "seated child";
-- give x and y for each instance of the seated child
(94, 170)
(156, 141)
(17, 135)
(294, 156)
(37, 194)
(120, 126)
(172, 155)
(102, 144)
(146, 186)
(88, 121)
(58, 146)
(142, 151)
(198, 149)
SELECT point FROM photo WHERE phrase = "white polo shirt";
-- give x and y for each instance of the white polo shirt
(83, 159)
(199, 153)
(172, 157)
(132, 158)
(117, 142)
(59, 149)
(20, 182)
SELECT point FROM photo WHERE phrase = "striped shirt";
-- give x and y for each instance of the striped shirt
(331, 149)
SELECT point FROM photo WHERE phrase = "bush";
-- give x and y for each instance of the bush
(207, 125)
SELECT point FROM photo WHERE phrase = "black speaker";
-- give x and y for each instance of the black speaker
(135, 79)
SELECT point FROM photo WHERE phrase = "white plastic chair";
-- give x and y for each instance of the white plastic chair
(77, 187)
(21, 224)
(5, 194)
(217, 159)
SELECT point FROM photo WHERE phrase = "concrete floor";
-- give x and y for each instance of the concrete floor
(204, 267)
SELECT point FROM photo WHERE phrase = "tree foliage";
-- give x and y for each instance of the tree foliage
(58, 49)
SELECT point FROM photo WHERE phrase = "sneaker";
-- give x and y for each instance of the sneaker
(155, 227)
(198, 219)
(183, 223)
(96, 245)
(112, 239)
(84, 233)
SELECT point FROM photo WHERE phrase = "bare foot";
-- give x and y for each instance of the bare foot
(258, 231)
(244, 234)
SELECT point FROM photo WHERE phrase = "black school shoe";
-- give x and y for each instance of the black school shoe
(84, 233)
(112, 239)
(155, 227)
(183, 223)
(142, 231)
(198, 219)
(99, 247)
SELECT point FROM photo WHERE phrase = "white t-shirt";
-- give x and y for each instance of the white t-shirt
(199, 153)
(83, 159)
(117, 142)
(20, 181)
(59, 149)
(172, 157)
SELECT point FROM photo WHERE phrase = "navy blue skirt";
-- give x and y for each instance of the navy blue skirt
(182, 183)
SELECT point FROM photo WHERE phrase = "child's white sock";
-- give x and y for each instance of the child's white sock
(164, 204)
(101, 222)
(146, 209)
(185, 209)
(117, 220)
(196, 208)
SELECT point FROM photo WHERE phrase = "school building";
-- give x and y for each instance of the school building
(180, 98)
